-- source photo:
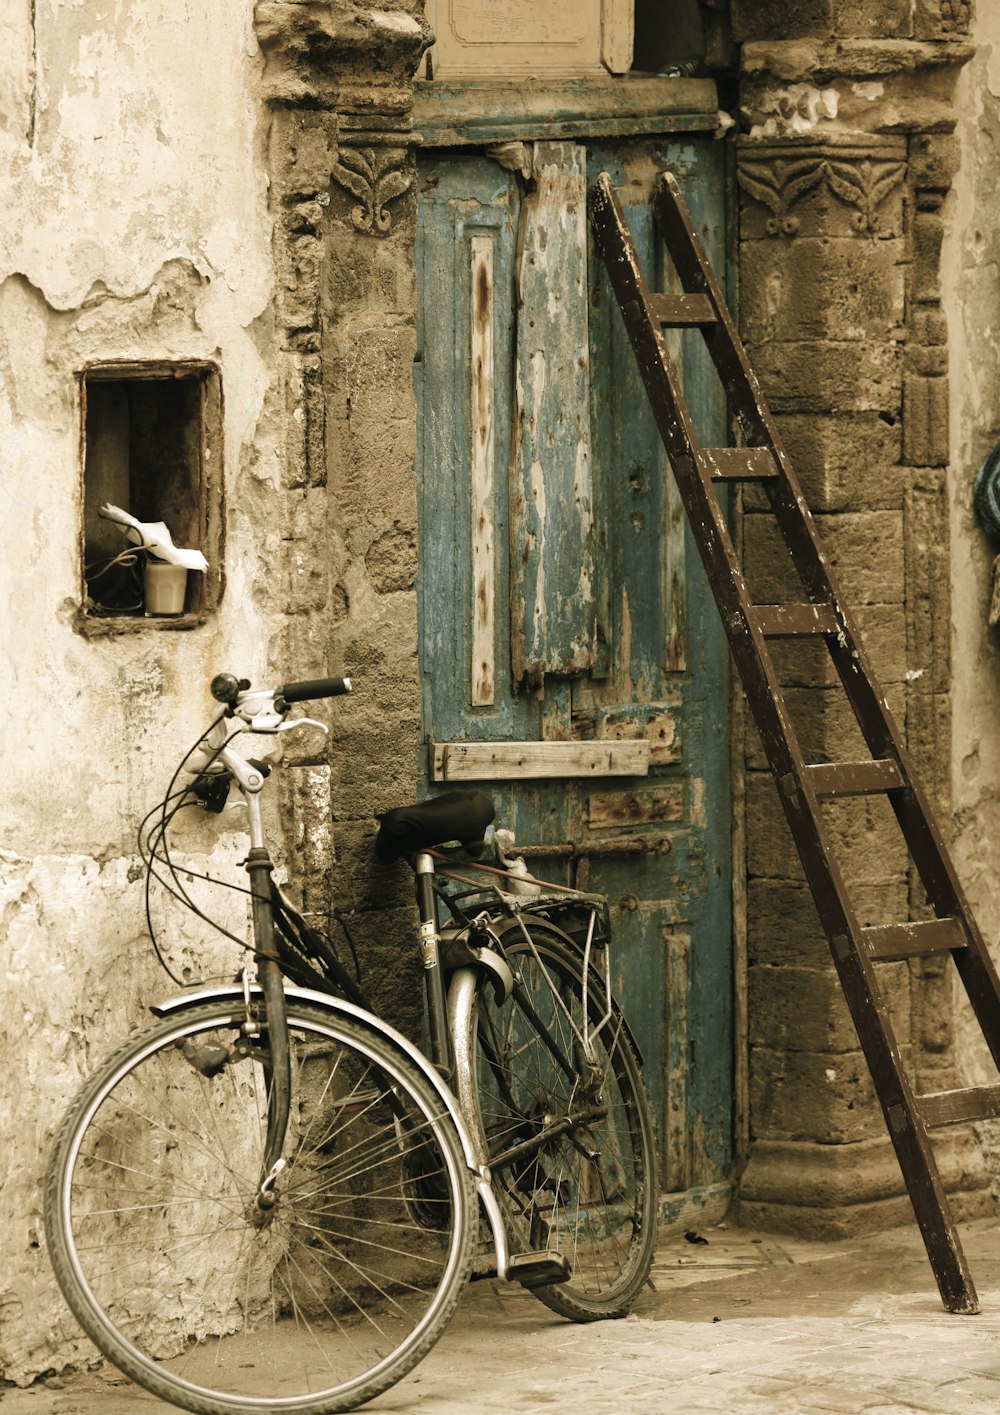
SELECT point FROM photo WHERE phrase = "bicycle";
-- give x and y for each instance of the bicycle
(270, 1200)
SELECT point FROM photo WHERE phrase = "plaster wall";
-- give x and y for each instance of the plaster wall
(971, 281)
(134, 225)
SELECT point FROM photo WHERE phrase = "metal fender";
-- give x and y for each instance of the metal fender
(325, 1002)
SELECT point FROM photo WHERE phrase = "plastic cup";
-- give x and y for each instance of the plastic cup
(165, 587)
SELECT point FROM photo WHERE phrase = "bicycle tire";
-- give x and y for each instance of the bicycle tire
(181, 1281)
(600, 1210)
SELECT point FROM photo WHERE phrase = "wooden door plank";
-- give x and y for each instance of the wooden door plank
(506, 761)
(483, 667)
(553, 603)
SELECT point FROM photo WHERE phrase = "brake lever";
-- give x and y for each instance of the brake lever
(271, 723)
(303, 722)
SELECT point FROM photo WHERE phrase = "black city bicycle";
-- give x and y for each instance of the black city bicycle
(271, 1200)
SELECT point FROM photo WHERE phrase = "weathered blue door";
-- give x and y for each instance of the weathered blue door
(570, 654)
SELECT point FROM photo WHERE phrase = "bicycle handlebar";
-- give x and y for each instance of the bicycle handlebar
(234, 692)
(308, 689)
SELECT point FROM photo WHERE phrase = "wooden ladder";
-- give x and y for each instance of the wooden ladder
(820, 614)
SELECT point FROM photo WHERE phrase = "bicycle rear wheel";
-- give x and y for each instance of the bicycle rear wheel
(570, 1146)
(200, 1296)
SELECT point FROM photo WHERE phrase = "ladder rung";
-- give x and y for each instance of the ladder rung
(738, 463)
(954, 1107)
(853, 778)
(681, 310)
(889, 943)
(790, 621)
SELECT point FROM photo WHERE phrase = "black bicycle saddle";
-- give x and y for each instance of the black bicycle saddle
(456, 815)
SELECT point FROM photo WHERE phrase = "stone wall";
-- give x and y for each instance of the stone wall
(844, 172)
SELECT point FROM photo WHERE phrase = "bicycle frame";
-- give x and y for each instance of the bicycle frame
(272, 991)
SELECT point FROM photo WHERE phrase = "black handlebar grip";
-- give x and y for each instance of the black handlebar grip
(309, 689)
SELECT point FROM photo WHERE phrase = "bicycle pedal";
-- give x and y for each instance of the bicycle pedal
(539, 1269)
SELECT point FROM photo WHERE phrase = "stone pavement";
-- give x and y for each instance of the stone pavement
(747, 1322)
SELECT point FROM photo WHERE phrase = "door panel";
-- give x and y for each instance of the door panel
(553, 628)
(570, 655)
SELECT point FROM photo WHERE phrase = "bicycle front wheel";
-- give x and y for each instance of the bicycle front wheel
(568, 1138)
(222, 1306)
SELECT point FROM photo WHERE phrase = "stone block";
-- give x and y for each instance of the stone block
(303, 579)
(843, 462)
(934, 160)
(387, 945)
(796, 188)
(804, 1009)
(929, 742)
(812, 1096)
(933, 988)
(368, 275)
(771, 851)
(864, 549)
(941, 19)
(925, 420)
(360, 883)
(375, 764)
(818, 288)
(824, 724)
(828, 376)
(790, 19)
(783, 926)
(794, 1009)
(881, 632)
(300, 151)
(928, 599)
(868, 845)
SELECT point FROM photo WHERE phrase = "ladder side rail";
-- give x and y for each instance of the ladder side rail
(906, 1128)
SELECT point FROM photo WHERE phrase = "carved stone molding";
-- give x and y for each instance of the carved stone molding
(865, 186)
(857, 177)
(377, 176)
(778, 185)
